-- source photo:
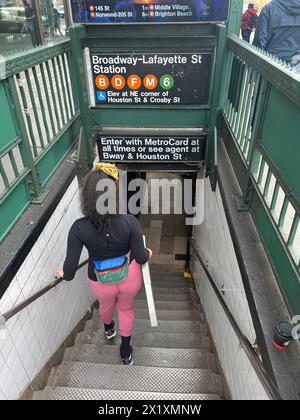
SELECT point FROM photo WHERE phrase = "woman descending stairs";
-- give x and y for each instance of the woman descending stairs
(172, 361)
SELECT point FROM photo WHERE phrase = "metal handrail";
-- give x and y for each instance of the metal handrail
(18, 308)
(261, 371)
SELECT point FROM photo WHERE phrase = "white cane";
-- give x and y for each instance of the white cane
(149, 293)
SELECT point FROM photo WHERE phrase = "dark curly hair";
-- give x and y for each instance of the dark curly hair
(89, 197)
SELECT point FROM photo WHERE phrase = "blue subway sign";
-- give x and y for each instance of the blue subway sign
(149, 11)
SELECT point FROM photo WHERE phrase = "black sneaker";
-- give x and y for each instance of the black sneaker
(128, 360)
(111, 332)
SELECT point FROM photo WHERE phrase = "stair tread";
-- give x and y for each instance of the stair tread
(169, 314)
(149, 339)
(63, 393)
(138, 378)
(178, 297)
(144, 325)
(173, 361)
(172, 277)
(188, 291)
(192, 314)
(166, 304)
(168, 274)
(181, 284)
(143, 356)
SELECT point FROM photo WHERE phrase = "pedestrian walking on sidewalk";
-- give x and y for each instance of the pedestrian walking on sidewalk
(249, 19)
(278, 30)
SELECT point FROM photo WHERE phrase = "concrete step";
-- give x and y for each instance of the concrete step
(167, 304)
(182, 283)
(143, 325)
(167, 268)
(178, 275)
(184, 291)
(171, 275)
(173, 361)
(63, 393)
(183, 297)
(138, 378)
(149, 339)
(143, 356)
(170, 315)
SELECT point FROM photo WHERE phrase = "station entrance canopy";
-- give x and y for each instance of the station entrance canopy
(147, 78)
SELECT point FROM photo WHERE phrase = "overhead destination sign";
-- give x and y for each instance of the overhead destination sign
(151, 149)
(152, 78)
(149, 11)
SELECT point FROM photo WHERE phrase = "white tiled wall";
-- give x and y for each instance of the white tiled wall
(216, 248)
(33, 335)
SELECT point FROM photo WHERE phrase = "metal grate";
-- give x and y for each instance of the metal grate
(61, 393)
(137, 378)
(151, 339)
(143, 325)
(155, 357)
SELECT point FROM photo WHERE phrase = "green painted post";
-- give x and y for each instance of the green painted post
(42, 104)
(4, 176)
(55, 103)
(34, 103)
(246, 133)
(68, 85)
(233, 27)
(215, 103)
(256, 135)
(221, 80)
(236, 10)
(48, 100)
(55, 73)
(79, 81)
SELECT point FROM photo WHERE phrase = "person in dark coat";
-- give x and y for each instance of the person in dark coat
(278, 30)
(249, 19)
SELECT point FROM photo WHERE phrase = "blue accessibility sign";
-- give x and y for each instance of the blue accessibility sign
(101, 96)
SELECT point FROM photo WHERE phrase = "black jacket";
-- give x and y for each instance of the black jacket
(124, 235)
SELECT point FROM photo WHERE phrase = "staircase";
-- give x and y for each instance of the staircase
(172, 361)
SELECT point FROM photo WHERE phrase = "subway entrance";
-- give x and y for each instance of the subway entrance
(148, 78)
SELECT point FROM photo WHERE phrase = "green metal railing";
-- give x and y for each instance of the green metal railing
(281, 207)
(39, 124)
(261, 112)
(245, 90)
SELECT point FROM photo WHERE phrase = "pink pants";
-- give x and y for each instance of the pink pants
(121, 295)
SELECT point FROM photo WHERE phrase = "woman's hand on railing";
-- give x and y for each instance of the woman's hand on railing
(150, 252)
(59, 273)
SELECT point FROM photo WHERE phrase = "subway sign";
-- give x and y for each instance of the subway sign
(181, 78)
(149, 11)
(151, 148)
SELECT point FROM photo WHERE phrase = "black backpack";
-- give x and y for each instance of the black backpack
(253, 21)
